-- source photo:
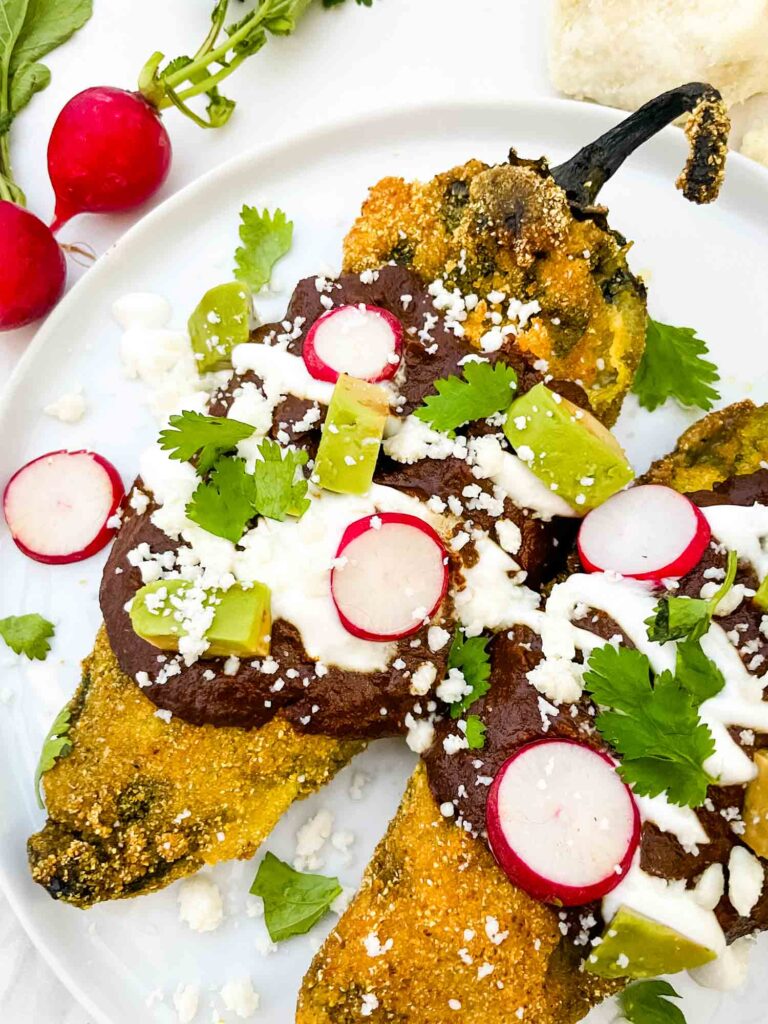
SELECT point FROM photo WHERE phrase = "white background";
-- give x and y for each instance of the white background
(341, 62)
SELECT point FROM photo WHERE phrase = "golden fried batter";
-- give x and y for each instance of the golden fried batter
(140, 802)
(462, 938)
(429, 881)
(510, 228)
(730, 442)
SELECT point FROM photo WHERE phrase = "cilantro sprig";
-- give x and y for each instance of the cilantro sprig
(191, 434)
(56, 744)
(647, 1002)
(481, 391)
(293, 901)
(28, 635)
(673, 366)
(278, 492)
(471, 657)
(266, 238)
(679, 618)
(653, 724)
(231, 497)
(224, 503)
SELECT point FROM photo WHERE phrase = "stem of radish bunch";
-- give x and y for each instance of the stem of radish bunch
(196, 77)
(9, 190)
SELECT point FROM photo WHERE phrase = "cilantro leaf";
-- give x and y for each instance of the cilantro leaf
(673, 366)
(696, 673)
(55, 745)
(675, 618)
(647, 1002)
(293, 901)
(220, 108)
(484, 390)
(653, 725)
(475, 733)
(266, 238)
(472, 659)
(225, 503)
(28, 634)
(278, 494)
(208, 437)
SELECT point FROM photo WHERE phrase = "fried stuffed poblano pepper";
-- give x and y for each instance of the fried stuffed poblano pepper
(457, 933)
(524, 248)
(139, 801)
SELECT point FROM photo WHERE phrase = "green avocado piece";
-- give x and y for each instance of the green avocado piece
(351, 439)
(241, 624)
(634, 946)
(567, 448)
(221, 320)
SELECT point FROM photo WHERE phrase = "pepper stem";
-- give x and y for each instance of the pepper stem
(707, 130)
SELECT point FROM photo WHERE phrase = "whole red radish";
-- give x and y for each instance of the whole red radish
(33, 268)
(108, 151)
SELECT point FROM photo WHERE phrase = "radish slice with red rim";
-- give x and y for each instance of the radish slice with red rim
(389, 576)
(650, 532)
(561, 823)
(362, 341)
(59, 505)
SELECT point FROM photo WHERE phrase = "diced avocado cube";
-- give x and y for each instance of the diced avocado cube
(567, 448)
(351, 439)
(221, 320)
(634, 946)
(241, 624)
(755, 813)
(761, 597)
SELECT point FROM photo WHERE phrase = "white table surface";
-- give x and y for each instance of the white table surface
(341, 62)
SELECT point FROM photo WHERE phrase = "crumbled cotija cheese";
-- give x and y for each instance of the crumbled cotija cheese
(200, 903)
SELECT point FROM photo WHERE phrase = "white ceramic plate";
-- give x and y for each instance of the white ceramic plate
(706, 268)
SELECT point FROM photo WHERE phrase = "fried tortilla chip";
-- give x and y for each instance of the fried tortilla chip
(140, 802)
(438, 894)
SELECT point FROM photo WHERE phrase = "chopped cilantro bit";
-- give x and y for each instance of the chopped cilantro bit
(673, 367)
(266, 238)
(484, 390)
(678, 618)
(472, 659)
(55, 745)
(652, 724)
(475, 733)
(224, 504)
(647, 1002)
(278, 493)
(293, 901)
(192, 434)
(28, 634)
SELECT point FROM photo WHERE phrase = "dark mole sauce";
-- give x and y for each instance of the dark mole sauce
(510, 712)
(335, 702)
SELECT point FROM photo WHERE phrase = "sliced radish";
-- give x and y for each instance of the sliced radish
(649, 532)
(561, 823)
(58, 506)
(390, 575)
(362, 341)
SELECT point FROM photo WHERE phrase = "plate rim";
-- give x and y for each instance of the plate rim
(600, 116)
